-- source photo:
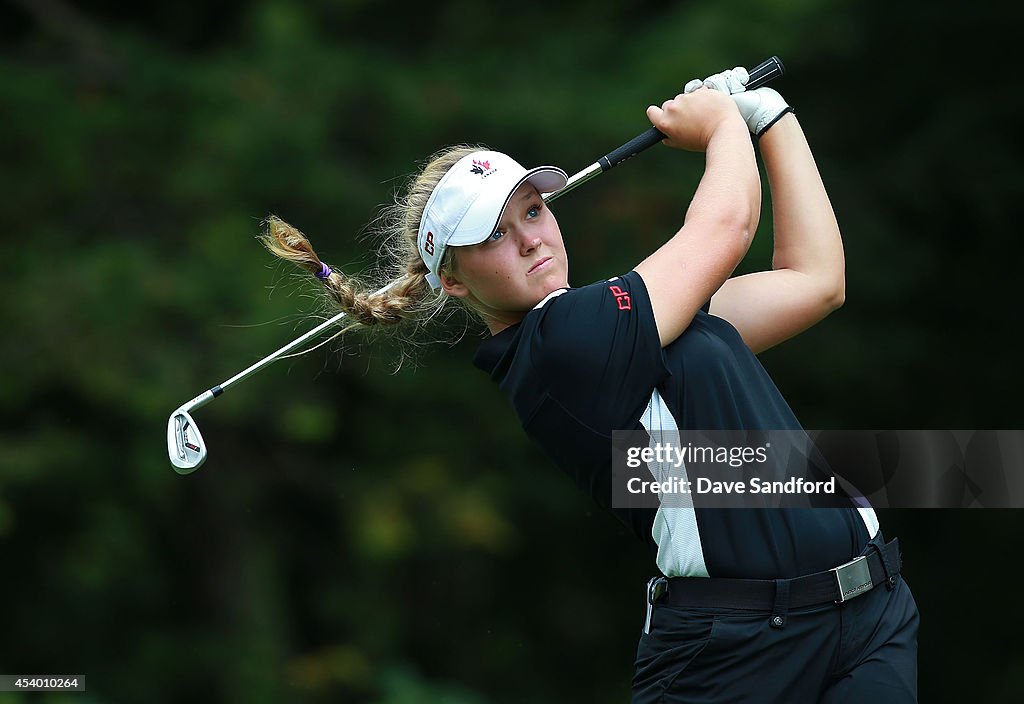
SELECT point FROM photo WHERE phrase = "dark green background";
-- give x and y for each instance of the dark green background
(363, 536)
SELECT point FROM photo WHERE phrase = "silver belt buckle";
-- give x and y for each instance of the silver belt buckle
(853, 578)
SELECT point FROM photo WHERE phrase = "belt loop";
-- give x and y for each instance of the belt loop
(780, 610)
(890, 574)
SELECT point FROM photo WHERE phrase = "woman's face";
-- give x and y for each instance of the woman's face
(507, 274)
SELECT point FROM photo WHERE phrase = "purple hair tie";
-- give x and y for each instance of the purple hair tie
(325, 272)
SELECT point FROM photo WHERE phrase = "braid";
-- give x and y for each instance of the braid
(383, 307)
(401, 293)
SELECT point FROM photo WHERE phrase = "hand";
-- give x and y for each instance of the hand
(760, 108)
(689, 120)
(728, 82)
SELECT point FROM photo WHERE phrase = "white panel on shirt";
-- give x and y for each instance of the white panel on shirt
(680, 553)
(551, 295)
(870, 520)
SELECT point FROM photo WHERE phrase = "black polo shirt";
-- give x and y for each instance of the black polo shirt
(587, 361)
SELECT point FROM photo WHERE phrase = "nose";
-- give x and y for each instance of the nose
(528, 244)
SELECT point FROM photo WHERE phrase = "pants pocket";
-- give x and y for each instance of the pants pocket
(675, 641)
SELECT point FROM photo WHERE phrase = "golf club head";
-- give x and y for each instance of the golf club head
(185, 446)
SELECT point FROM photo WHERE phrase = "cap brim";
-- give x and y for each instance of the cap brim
(544, 178)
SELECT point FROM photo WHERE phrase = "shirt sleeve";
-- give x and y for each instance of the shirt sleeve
(598, 351)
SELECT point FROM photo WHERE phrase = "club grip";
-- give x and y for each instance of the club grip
(760, 75)
(765, 73)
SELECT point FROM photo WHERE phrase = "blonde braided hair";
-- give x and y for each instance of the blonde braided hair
(400, 293)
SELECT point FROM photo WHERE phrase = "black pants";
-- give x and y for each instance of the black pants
(862, 651)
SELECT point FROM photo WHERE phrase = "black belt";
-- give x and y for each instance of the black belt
(880, 564)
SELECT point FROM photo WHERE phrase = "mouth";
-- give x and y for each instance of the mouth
(539, 265)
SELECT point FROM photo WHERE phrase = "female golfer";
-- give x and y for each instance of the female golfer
(752, 605)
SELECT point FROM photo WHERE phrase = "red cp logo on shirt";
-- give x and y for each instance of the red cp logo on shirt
(621, 297)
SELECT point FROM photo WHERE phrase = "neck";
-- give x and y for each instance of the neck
(495, 325)
(496, 322)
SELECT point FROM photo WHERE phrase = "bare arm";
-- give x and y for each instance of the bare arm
(807, 281)
(684, 272)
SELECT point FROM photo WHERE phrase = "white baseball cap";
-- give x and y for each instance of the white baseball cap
(468, 202)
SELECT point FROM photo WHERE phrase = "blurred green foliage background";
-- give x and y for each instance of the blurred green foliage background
(360, 535)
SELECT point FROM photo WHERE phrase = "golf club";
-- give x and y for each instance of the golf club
(185, 445)
(760, 75)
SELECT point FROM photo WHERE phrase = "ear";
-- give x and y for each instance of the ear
(453, 287)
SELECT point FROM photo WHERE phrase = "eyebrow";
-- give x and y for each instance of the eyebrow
(526, 194)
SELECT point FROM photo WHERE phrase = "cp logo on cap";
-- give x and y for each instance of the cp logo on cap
(429, 244)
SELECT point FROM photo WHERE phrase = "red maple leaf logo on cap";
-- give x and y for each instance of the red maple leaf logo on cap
(479, 167)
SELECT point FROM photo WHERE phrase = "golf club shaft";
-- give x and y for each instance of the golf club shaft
(758, 76)
(213, 392)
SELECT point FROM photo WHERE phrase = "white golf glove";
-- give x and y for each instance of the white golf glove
(760, 108)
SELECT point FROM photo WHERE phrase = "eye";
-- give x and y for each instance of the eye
(533, 212)
(497, 235)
